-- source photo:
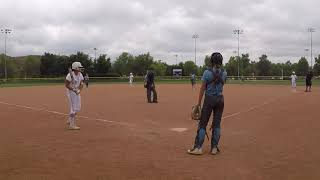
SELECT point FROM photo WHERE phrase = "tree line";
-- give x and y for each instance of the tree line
(264, 67)
(52, 65)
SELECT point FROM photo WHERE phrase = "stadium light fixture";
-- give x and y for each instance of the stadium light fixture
(195, 37)
(311, 30)
(238, 32)
(6, 32)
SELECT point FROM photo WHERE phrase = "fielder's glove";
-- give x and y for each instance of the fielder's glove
(196, 112)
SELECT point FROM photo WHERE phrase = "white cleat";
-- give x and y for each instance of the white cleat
(74, 128)
(195, 151)
(215, 151)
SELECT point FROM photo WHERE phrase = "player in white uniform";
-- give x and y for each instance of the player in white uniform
(293, 80)
(74, 85)
(131, 79)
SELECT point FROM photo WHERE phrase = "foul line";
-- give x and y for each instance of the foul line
(250, 109)
(64, 114)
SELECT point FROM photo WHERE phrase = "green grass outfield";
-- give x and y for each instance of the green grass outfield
(60, 81)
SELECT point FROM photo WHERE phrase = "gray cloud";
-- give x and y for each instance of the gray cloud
(163, 28)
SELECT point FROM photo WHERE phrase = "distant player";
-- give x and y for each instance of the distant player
(131, 79)
(151, 88)
(309, 77)
(86, 80)
(213, 80)
(293, 80)
(193, 81)
(74, 85)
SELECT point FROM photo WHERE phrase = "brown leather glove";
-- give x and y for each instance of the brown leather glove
(196, 112)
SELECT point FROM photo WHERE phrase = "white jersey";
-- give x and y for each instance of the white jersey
(293, 78)
(293, 81)
(75, 82)
(74, 99)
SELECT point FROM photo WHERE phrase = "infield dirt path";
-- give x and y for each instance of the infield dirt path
(268, 132)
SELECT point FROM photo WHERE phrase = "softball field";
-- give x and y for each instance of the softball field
(268, 132)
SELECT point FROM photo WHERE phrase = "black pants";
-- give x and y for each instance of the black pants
(153, 90)
(308, 83)
(211, 104)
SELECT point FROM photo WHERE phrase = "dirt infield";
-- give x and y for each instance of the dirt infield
(268, 132)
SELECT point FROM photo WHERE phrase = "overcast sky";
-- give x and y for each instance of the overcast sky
(164, 28)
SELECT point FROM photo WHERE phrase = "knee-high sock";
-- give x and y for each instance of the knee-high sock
(72, 120)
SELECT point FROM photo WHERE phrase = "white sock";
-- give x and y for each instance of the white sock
(72, 122)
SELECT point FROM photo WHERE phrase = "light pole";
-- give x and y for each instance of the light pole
(5, 31)
(195, 36)
(311, 30)
(306, 52)
(176, 55)
(238, 32)
(95, 54)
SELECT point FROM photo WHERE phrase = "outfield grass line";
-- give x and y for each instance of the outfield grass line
(165, 81)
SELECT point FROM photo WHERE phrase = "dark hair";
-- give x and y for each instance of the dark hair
(216, 59)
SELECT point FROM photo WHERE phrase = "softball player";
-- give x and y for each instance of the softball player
(309, 77)
(193, 81)
(213, 81)
(293, 80)
(86, 80)
(131, 79)
(151, 88)
(74, 85)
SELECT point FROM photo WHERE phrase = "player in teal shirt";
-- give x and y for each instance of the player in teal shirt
(213, 80)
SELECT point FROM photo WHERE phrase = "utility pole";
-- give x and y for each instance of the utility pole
(311, 30)
(238, 32)
(195, 36)
(5, 31)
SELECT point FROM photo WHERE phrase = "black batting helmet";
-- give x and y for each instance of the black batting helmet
(216, 58)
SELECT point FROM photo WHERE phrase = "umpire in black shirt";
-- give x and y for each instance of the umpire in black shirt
(151, 87)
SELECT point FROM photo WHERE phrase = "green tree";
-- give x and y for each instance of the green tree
(245, 68)
(159, 68)
(189, 68)
(302, 67)
(48, 65)
(264, 66)
(142, 63)
(31, 67)
(287, 68)
(316, 67)
(232, 66)
(2, 65)
(84, 59)
(276, 69)
(123, 64)
(102, 65)
(63, 64)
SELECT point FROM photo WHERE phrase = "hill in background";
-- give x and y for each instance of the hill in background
(21, 66)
